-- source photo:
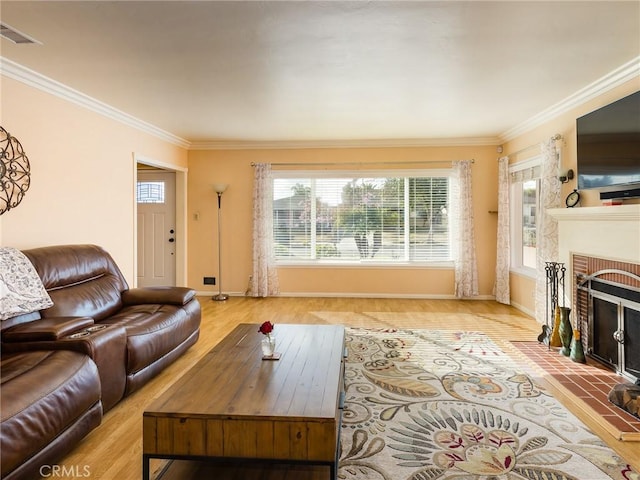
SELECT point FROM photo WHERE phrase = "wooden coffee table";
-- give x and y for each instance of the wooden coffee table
(233, 405)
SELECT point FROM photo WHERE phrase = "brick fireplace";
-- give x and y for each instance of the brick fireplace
(601, 248)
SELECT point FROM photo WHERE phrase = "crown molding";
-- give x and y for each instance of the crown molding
(626, 72)
(34, 79)
(363, 143)
(13, 70)
(622, 74)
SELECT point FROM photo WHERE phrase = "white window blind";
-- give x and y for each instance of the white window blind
(386, 216)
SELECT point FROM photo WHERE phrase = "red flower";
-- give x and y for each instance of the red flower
(266, 328)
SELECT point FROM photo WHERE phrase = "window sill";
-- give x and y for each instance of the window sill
(365, 264)
(524, 272)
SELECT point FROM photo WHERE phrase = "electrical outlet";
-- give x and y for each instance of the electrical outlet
(209, 280)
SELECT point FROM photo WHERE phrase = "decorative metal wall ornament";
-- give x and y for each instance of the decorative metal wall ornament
(15, 177)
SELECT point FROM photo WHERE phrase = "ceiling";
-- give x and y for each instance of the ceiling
(274, 71)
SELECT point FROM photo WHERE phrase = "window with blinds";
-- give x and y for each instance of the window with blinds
(524, 205)
(390, 217)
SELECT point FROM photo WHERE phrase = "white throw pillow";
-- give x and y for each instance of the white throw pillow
(21, 290)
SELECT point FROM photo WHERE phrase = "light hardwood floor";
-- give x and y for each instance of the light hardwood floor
(114, 449)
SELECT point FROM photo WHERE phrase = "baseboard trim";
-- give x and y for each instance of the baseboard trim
(524, 309)
(356, 295)
(207, 293)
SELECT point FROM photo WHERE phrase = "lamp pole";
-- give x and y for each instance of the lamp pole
(219, 189)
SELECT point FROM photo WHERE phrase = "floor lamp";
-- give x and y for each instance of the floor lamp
(219, 189)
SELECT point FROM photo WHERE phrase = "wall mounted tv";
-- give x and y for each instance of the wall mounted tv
(608, 148)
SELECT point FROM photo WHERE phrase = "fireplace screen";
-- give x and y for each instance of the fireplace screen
(614, 325)
(632, 341)
(605, 323)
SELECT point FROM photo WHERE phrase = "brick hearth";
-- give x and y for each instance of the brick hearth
(586, 386)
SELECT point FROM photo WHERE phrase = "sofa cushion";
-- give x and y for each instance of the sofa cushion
(154, 330)
(43, 394)
(82, 280)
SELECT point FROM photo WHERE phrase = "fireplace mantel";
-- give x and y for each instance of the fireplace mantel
(605, 232)
(623, 213)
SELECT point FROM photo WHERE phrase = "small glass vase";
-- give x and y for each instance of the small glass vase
(268, 345)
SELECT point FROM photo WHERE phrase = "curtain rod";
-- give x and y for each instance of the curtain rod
(556, 137)
(351, 164)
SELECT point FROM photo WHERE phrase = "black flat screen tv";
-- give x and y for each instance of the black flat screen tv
(608, 149)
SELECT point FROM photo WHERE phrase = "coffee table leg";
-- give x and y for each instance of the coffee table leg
(145, 467)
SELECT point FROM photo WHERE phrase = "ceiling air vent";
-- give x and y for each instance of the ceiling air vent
(14, 35)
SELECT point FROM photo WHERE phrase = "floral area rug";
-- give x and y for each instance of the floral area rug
(427, 405)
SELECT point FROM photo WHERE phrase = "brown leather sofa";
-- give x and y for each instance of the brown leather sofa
(102, 340)
(50, 401)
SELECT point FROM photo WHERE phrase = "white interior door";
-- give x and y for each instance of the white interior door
(156, 197)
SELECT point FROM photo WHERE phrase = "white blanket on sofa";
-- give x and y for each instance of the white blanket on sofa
(21, 290)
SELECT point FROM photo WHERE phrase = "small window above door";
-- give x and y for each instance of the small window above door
(150, 192)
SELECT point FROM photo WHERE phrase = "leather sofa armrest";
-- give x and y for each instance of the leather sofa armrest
(158, 295)
(53, 328)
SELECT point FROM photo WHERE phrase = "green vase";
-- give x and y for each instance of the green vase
(577, 352)
(565, 331)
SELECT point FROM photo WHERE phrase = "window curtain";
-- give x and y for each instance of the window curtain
(547, 226)
(466, 269)
(503, 257)
(264, 281)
